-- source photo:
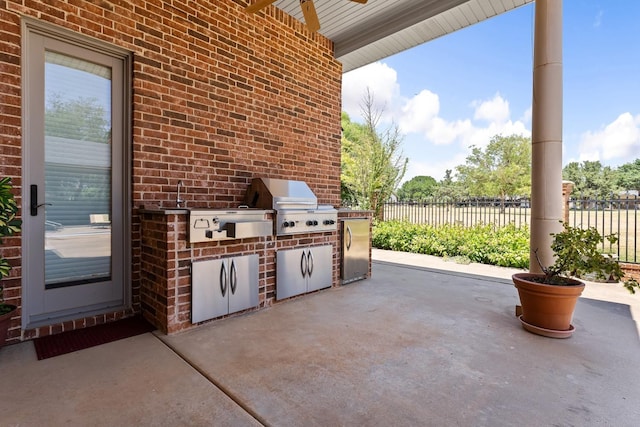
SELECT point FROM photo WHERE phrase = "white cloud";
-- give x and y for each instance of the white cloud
(480, 137)
(443, 132)
(493, 110)
(420, 114)
(418, 111)
(381, 80)
(526, 116)
(619, 139)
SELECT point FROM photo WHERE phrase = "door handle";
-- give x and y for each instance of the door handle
(310, 263)
(350, 235)
(303, 264)
(33, 196)
(233, 278)
(223, 280)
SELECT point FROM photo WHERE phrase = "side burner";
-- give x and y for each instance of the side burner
(207, 225)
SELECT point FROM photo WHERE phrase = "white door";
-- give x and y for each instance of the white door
(74, 192)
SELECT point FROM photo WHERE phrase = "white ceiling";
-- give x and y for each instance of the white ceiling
(366, 33)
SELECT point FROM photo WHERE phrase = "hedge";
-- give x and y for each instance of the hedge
(506, 246)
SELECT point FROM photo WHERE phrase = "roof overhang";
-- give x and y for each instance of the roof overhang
(363, 34)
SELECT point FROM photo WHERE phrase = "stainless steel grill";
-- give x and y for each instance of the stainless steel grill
(296, 207)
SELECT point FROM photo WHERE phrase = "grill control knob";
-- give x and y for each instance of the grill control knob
(329, 222)
(285, 224)
(315, 222)
(309, 223)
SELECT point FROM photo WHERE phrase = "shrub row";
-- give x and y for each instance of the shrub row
(507, 246)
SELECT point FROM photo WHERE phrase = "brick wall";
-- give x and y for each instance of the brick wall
(10, 150)
(630, 271)
(219, 97)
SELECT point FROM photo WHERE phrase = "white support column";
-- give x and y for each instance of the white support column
(546, 137)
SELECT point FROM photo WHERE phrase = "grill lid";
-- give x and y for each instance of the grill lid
(280, 194)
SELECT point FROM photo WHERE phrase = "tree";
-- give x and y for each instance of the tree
(372, 162)
(448, 188)
(83, 119)
(628, 176)
(590, 178)
(503, 169)
(352, 133)
(417, 189)
(571, 172)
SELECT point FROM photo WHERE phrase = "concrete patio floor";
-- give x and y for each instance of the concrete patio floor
(422, 343)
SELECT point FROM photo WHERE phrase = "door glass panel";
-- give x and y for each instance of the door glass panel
(77, 171)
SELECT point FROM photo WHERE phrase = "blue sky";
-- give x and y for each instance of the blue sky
(463, 88)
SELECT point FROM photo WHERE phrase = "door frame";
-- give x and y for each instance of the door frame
(36, 27)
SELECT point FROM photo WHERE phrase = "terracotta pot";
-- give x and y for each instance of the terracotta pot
(5, 322)
(548, 307)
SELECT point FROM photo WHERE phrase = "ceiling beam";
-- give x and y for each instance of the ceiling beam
(385, 25)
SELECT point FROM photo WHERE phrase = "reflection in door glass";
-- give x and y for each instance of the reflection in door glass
(77, 171)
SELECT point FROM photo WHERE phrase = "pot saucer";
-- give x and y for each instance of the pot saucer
(551, 333)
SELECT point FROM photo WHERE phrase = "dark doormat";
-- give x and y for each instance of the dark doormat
(67, 342)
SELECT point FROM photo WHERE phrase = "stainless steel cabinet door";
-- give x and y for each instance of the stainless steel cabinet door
(303, 270)
(243, 282)
(355, 249)
(319, 267)
(291, 271)
(209, 290)
(223, 286)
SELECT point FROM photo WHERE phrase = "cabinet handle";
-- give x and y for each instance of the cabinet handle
(223, 280)
(233, 278)
(350, 237)
(303, 264)
(310, 263)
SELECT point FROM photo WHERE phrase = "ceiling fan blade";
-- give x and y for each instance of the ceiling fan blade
(310, 15)
(260, 4)
(360, 1)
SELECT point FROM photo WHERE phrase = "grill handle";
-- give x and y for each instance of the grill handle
(295, 202)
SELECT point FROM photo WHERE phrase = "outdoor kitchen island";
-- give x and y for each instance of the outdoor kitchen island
(188, 255)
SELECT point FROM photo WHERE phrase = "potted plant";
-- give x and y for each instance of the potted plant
(548, 299)
(8, 226)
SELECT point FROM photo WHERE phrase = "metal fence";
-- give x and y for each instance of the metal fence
(615, 214)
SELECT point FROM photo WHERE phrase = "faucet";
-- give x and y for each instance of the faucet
(179, 201)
